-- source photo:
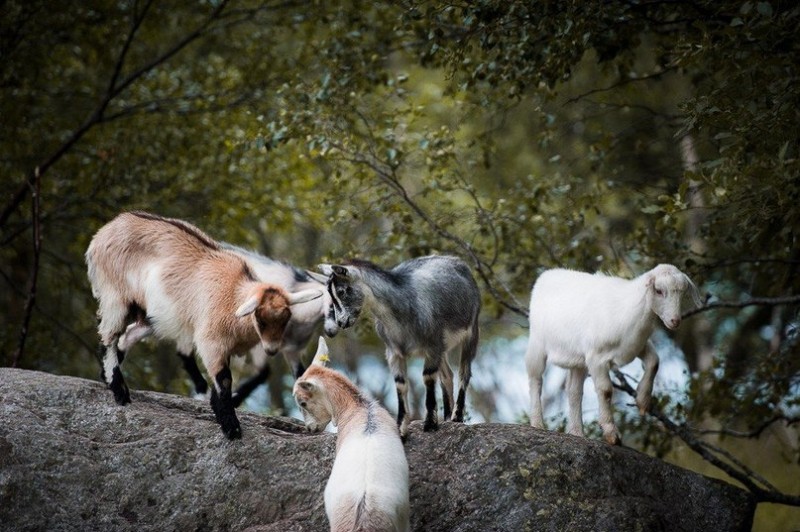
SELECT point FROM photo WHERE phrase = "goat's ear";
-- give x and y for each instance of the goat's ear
(694, 292)
(307, 386)
(651, 280)
(248, 307)
(304, 295)
(321, 358)
(320, 278)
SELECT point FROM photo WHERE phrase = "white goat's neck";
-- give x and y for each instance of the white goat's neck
(348, 407)
(641, 312)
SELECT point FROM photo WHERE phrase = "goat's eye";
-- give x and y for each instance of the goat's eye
(659, 292)
(302, 404)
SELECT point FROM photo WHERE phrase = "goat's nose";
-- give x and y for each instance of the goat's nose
(674, 322)
(270, 349)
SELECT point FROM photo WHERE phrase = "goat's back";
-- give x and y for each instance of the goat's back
(443, 290)
(133, 239)
(573, 312)
(368, 486)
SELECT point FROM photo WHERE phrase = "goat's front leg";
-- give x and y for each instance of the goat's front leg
(605, 390)
(398, 367)
(221, 402)
(575, 380)
(644, 392)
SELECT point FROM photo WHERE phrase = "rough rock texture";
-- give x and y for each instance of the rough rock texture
(71, 459)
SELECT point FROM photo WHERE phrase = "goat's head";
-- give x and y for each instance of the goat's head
(666, 286)
(269, 308)
(346, 297)
(310, 394)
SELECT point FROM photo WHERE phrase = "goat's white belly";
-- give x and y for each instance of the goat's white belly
(570, 353)
(163, 311)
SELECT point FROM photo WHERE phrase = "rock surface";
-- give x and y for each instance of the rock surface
(71, 459)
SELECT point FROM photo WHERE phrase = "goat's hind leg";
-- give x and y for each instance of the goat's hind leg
(446, 384)
(535, 362)
(111, 327)
(398, 367)
(468, 352)
(605, 392)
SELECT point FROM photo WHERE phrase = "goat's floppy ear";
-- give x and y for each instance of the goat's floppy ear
(304, 296)
(694, 292)
(321, 358)
(248, 307)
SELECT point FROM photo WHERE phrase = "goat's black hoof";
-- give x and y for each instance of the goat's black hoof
(458, 418)
(121, 393)
(430, 425)
(233, 432)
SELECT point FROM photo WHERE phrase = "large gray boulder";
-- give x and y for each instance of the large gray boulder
(71, 459)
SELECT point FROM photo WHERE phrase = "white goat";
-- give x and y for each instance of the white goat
(368, 487)
(586, 322)
(167, 275)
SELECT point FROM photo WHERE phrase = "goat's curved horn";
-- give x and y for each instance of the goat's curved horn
(304, 296)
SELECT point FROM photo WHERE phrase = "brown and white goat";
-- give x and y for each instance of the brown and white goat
(152, 272)
(368, 486)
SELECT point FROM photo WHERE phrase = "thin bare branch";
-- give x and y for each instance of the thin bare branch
(762, 490)
(37, 248)
(762, 301)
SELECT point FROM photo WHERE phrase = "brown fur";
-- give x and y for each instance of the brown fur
(205, 283)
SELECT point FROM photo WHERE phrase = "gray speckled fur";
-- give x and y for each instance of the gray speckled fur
(426, 306)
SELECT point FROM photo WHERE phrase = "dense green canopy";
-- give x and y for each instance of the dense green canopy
(518, 135)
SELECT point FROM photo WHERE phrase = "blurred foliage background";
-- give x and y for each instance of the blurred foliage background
(519, 135)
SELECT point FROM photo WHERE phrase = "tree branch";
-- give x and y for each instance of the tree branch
(763, 301)
(114, 89)
(37, 248)
(736, 470)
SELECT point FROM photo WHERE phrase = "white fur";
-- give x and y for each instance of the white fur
(368, 486)
(363, 464)
(593, 323)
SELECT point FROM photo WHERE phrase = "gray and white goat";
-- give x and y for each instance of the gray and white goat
(429, 306)
(301, 327)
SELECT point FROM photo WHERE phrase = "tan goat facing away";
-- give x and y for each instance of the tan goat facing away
(165, 274)
(368, 487)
